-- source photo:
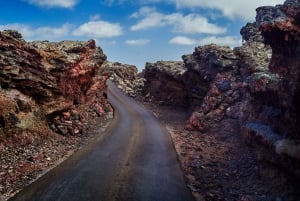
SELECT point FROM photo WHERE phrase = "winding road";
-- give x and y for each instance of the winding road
(134, 160)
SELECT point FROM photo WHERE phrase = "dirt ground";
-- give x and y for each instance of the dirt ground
(217, 164)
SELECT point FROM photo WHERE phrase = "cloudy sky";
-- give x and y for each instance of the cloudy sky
(133, 31)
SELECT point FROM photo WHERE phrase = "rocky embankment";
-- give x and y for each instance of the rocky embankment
(51, 95)
(253, 91)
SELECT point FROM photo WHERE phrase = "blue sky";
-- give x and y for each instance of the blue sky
(133, 32)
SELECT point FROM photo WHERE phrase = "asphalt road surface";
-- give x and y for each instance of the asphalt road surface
(134, 160)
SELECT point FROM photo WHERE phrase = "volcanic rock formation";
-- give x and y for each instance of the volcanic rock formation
(49, 80)
(48, 93)
(274, 95)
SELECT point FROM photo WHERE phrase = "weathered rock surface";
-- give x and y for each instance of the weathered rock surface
(54, 76)
(125, 76)
(46, 89)
(208, 80)
(218, 67)
(281, 30)
(164, 83)
(273, 95)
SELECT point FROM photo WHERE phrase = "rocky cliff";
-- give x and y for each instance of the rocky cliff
(48, 92)
(273, 95)
(280, 28)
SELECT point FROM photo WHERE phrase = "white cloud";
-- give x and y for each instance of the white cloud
(188, 24)
(242, 9)
(40, 33)
(54, 3)
(137, 42)
(194, 24)
(224, 40)
(92, 29)
(151, 18)
(182, 40)
(98, 29)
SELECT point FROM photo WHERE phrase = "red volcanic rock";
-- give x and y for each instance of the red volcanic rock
(280, 28)
(50, 79)
(76, 67)
(217, 68)
(46, 89)
(273, 95)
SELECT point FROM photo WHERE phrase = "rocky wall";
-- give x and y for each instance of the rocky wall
(164, 83)
(273, 94)
(280, 28)
(46, 83)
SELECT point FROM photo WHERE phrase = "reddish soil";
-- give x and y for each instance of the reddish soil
(217, 163)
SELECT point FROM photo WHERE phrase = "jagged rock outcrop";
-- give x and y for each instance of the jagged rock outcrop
(280, 28)
(265, 81)
(164, 83)
(125, 76)
(51, 96)
(254, 55)
(274, 95)
(212, 79)
(175, 83)
(250, 33)
(49, 82)
(217, 67)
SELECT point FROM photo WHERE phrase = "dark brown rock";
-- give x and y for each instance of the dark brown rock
(164, 83)
(280, 28)
(273, 95)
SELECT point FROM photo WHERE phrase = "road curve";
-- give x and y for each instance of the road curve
(133, 160)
